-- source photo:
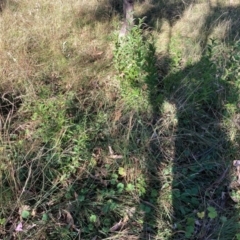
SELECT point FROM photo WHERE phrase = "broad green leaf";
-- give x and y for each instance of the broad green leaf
(212, 215)
(211, 209)
(25, 214)
(201, 215)
(44, 217)
(90, 227)
(189, 231)
(93, 218)
(114, 176)
(212, 212)
(81, 198)
(130, 187)
(2, 221)
(190, 221)
(120, 187)
(223, 219)
(122, 172)
(147, 209)
(154, 193)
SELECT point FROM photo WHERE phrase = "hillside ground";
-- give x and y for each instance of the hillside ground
(101, 139)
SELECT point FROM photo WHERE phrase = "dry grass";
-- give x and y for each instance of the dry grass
(48, 39)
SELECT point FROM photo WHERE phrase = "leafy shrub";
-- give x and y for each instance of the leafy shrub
(134, 60)
(134, 55)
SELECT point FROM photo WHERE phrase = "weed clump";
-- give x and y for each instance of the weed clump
(135, 62)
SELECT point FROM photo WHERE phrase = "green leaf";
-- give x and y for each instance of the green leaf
(211, 209)
(25, 214)
(201, 215)
(154, 193)
(195, 201)
(190, 221)
(93, 218)
(81, 198)
(179, 226)
(113, 181)
(212, 215)
(114, 176)
(223, 219)
(68, 195)
(122, 172)
(44, 217)
(90, 227)
(189, 231)
(212, 212)
(2, 221)
(120, 187)
(130, 187)
(147, 209)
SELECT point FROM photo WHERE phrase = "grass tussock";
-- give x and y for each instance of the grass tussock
(107, 138)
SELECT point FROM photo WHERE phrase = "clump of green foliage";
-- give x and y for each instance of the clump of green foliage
(135, 62)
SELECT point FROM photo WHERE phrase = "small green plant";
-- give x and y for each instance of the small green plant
(25, 214)
(212, 213)
(134, 60)
(45, 217)
(189, 227)
(2, 221)
(132, 53)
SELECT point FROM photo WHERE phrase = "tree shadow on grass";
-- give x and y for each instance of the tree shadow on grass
(190, 155)
(224, 17)
(154, 12)
(203, 153)
(191, 105)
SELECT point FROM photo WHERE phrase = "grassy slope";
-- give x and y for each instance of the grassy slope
(78, 155)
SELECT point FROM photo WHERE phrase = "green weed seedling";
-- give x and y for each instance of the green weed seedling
(2, 221)
(212, 213)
